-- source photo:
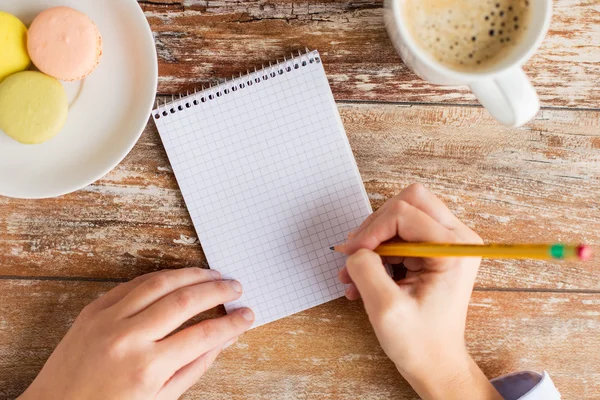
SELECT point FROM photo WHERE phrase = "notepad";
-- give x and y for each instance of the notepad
(270, 182)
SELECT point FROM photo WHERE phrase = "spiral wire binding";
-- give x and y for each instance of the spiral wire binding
(235, 83)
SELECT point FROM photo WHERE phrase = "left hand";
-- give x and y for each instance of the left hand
(121, 346)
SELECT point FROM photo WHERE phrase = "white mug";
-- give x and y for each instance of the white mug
(504, 90)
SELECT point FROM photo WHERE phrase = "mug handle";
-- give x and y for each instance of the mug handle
(509, 97)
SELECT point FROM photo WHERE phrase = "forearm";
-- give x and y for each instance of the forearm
(458, 379)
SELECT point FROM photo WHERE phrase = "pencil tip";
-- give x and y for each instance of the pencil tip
(332, 248)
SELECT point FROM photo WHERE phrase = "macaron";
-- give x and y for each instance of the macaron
(33, 107)
(64, 43)
(13, 45)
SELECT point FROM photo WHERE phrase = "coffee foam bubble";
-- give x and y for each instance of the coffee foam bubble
(467, 34)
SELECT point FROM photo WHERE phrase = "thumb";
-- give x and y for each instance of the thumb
(375, 286)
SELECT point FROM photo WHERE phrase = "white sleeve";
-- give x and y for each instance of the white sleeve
(526, 385)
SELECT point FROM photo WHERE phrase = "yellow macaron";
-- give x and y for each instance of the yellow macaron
(33, 107)
(13, 45)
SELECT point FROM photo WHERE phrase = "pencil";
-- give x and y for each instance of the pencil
(515, 251)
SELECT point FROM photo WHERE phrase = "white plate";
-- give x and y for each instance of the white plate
(107, 116)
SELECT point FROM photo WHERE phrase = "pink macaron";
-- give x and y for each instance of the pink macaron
(64, 43)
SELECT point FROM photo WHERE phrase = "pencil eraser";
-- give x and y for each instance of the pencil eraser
(584, 252)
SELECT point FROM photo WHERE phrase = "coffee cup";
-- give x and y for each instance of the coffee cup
(479, 43)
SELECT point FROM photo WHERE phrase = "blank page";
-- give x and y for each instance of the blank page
(270, 182)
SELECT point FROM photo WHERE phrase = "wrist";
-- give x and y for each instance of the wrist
(37, 390)
(453, 377)
(31, 393)
(27, 395)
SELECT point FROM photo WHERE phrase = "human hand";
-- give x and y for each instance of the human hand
(119, 346)
(419, 320)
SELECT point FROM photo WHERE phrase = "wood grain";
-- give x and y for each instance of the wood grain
(538, 183)
(199, 42)
(535, 184)
(328, 352)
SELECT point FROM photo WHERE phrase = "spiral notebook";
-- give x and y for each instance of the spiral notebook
(270, 182)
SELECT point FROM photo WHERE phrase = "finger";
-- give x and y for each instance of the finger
(375, 286)
(420, 197)
(190, 343)
(352, 292)
(344, 277)
(168, 313)
(114, 295)
(188, 375)
(365, 223)
(160, 285)
(392, 260)
(414, 264)
(403, 220)
(230, 342)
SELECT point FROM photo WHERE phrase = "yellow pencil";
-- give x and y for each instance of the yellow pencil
(514, 251)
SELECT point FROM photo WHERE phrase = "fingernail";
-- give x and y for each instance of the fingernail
(229, 343)
(235, 285)
(247, 314)
(351, 234)
(216, 275)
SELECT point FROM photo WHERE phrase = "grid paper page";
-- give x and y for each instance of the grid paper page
(270, 182)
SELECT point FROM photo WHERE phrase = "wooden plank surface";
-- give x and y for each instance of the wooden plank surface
(328, 352)
(201, 41)
(535, 184)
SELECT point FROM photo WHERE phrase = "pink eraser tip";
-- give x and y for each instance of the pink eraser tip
(584, 252)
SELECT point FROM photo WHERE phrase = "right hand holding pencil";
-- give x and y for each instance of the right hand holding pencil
(419, 320)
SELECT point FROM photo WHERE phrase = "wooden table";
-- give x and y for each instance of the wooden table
(534, 184)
